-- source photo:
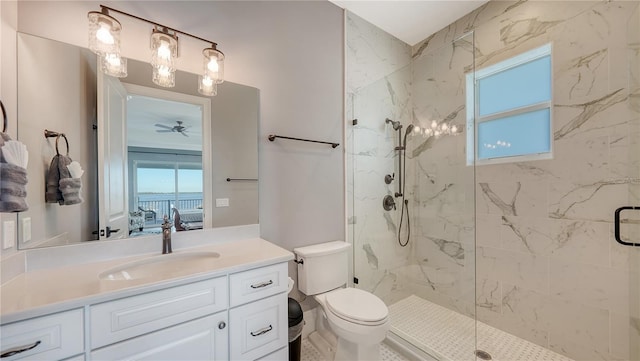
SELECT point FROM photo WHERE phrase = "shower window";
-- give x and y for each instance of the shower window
(513, 109)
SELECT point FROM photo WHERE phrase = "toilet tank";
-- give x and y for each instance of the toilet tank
(324, 267)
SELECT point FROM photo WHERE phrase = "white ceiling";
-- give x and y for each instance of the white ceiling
(410, 21)
(143, 113)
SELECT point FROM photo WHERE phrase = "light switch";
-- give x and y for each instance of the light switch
(222, 202)
(8, 234)
(26, 229)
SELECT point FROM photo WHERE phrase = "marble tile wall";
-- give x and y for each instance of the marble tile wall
(378, 87)
(547, 267)
(527, 247)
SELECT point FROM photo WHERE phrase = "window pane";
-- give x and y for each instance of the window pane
(189, 188)
(190, 180)
(521, 134)
(155, 180)
(525, 84)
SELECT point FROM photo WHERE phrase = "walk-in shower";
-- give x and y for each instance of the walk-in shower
(508, 260)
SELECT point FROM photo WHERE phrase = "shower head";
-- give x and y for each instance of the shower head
(396, 124)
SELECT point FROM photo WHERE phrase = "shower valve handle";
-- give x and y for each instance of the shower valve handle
(389, 178)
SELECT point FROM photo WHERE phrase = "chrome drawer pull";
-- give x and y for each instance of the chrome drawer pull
(19, 349)
(263, 284)
(262, 332)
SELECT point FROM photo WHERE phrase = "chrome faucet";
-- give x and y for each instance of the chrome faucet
(166, 235)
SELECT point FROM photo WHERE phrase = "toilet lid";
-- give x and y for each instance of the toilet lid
(357, 305)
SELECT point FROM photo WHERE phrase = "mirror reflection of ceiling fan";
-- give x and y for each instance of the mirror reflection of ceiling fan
(179, 128)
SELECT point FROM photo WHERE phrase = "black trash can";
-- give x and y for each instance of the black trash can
(295, 330)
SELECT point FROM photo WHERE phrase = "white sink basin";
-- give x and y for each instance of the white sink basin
(162, 266)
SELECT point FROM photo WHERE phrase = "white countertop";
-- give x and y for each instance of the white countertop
(46, 291)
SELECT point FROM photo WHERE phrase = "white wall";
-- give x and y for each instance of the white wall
(291, 51)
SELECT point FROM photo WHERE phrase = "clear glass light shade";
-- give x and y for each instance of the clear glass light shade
(164, 50)
(114, 65)
(104, 34)
(164, 77)
(206, 86)
(213, 64)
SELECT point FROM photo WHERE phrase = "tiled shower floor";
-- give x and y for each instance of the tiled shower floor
(309, 353)
(449, 336)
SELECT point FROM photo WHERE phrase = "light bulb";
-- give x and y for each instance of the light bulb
(416, 129)
(163, 51)
(114, 65)
(104, 35)
(436, 133)
(444, 127)
(454, 129)
(163, 71)
(434, 124)
(213, 65)
(207, 81)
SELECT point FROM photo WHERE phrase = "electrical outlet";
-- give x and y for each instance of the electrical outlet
(26, 229)
(222, 202)
(8, 234)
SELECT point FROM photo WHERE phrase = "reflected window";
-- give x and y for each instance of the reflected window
(160, 186)
(512, 109)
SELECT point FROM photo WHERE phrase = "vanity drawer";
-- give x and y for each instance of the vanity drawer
(258, 328)
(201, 339)
(132, 316)
(56, 336)
(258, 283)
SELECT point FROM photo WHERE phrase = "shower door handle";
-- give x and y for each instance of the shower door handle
(616, 224)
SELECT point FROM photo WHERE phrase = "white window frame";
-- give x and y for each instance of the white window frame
(474, 119)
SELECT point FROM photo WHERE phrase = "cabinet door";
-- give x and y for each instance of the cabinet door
(202, 339)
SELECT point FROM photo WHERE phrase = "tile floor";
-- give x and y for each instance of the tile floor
(450, 335)
(309, 353)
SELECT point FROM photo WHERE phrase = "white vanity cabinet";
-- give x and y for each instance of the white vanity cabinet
(239, 312)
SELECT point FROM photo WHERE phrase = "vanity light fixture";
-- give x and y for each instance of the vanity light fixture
(213, 71)
(104, 40)
(164, 52)
(214, 63)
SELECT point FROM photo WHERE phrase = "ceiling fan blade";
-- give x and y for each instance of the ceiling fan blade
(185, 134)
(164, 131)
(164, 126)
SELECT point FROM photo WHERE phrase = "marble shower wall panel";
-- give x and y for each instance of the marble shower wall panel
(371, 53)
(389, 97)
(444, 209)
(378, 87)
(548, 269)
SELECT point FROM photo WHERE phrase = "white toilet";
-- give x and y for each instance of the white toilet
(358, 318)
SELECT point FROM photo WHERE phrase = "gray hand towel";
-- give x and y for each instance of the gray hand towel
(70, 188)
(13, 183)
(13, 188)
(52, 193)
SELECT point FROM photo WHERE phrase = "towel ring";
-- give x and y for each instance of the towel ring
(4, 118)
(65, 140)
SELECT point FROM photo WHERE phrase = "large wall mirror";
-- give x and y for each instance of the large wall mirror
(146, 151)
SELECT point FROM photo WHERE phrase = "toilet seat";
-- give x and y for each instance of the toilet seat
(357, 306)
